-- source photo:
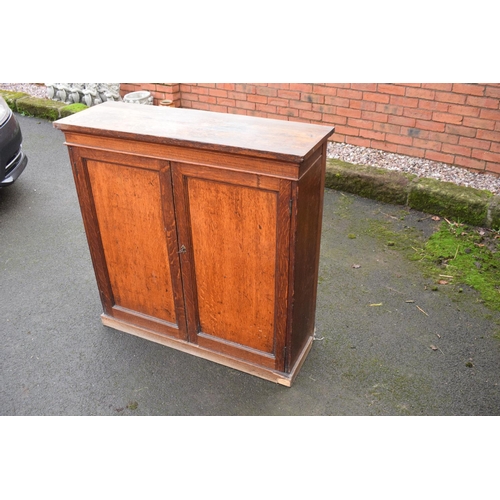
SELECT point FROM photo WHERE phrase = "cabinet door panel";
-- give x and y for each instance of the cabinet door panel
(235, 233)
(134, 253)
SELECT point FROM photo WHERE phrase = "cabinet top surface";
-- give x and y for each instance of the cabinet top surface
(267, 137)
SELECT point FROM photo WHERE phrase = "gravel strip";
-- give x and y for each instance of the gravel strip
(413, 165)
(360, 155)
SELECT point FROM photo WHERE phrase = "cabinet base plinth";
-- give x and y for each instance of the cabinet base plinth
(281, 378)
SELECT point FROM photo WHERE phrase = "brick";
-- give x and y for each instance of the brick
(404, 150)
(217, 92)
(486, 155)
(447, 118)
(389, 110)
(353, 113)
(407, 102)
(301, 87)
(468, 88)
(333, 119)
(337, 101)
(399, 139)
(237, 96)
(236, 111)
(437, 86)
(420, 93)
(456, 109)
(370, 134)
(354, 122)
(288, 112)
(279, 85)
(262, 99)
(225, 86)
(390, 88)
(196, 89)
(245, 87)
(312, 98)
(371, 96)
(415, 132)
(203, 106)
(259, 114)
(267, 91)
(301, 105)
(359, 141)
(385, 146)
(207, 99)
(324, 108)
(189, 97)
(387, 127)
(483, 102)
(289, 94)
(471, 163)
(451, 97)
(495, 147)
(424, 144)
(490, 114)
(488, 135)
(338, 137)
(342, 129)
(492, 91)
(441, 157)
(479, 123)
(324, 89)
(224, 101)
(276, 101)
(433, 105)
(266, 108)
(430, 125)
(460, 130)
(375, 117)
(401, 120)
(370, 87)
(245, 105)
(310, 115)
(474, 143)
(350, 94)
(422, 114)
(456, 150)
(493, 168)
(364, 105)
(443, 137)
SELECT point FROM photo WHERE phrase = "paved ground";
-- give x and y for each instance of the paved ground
(56, 358)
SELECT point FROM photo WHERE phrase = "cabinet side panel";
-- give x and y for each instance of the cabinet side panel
(128, 207)
(234, 245)
(308, 218)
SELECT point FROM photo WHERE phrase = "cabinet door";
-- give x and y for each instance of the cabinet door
(234, 232)
(127, 209)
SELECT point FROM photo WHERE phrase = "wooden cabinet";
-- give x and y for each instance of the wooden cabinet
(204, 229)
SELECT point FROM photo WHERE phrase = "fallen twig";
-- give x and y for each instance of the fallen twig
(421, 310)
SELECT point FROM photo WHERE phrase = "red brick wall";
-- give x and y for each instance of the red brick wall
(454, 123)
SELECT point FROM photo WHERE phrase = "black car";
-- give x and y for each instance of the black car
(12, 159)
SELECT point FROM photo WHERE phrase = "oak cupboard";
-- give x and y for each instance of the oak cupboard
(204, 229)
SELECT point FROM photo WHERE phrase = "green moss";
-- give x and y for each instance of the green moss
(42, 108)
(469, 255)
(71, 109)
(449, 200)
(11, 98)
(369, 182)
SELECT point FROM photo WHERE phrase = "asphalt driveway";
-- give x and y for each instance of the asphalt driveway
(56, 358)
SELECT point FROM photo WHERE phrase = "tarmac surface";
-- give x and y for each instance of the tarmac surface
(372, 355)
